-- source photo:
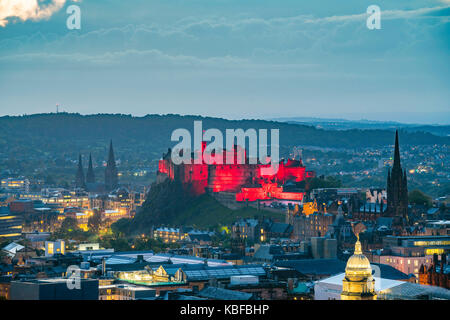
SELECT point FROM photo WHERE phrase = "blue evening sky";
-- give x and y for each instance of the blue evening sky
(230, 58)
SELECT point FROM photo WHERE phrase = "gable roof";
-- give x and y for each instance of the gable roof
(12, 248)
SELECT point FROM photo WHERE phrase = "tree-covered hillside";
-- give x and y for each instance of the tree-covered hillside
(41, 134)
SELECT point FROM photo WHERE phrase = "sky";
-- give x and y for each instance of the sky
(228, 58)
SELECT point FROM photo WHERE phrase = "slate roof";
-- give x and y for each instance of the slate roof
(314, 266)
(336, 266)
(266, 252)
(280, 228)
(13, 248)
(214, 293)
(384, 221)
(199, 237)
(388, 272)
(224, 272)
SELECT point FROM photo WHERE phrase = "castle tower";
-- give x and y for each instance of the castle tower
(358, 283)
(111, 178)
(90, 176)
(79, 178)
(397, 190)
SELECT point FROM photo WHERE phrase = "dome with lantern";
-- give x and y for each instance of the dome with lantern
(358, 266)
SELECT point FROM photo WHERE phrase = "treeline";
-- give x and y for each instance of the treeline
(149, 136)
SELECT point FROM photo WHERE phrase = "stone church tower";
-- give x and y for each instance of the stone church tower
(79, 178)
(111, 178)
(90, 176)
(397, 189)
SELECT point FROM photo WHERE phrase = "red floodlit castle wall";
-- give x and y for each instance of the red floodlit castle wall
(233, 178)
(267, 191)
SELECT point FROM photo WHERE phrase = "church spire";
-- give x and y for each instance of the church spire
(111, 179)
(90, 176)
(79, 178)
(396, 166)
(397, 190)
(111, 159)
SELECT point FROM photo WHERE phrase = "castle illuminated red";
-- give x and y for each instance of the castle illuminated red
(247, 181)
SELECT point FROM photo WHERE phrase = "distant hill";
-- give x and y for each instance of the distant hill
(44, 136)
(343, 124)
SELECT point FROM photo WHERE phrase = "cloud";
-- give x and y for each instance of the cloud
(386, 14)
(27, 10)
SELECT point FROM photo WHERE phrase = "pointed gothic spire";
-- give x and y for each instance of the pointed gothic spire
(79, 178)
(396, 166)
(90, 176)
(397, 190)
(111, 159)
(111, 179)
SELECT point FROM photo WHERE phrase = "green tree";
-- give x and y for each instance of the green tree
(69, 224)
(419, 198)
(95, 221)
(322, 182)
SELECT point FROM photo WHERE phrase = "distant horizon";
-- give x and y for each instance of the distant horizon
(278, 118)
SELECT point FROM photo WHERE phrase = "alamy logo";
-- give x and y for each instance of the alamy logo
(374, 20)
(73, 277)
(235, 138)
(74, 20)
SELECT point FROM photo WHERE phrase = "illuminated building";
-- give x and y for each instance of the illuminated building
(408, 253)
(125, 292)
(17, 184)
(307, 225)
(55, 247)
(10, 225)
(248, 229)
(358, 283)
(437, 228)
(114, 215)
(169, 235)
(386, 289)
(437, 274)
(31, 196)
(310, 208)
(408, 265)
(68, 199)
(429, 244)
(5, 287)
(173, 276)
(246, 180)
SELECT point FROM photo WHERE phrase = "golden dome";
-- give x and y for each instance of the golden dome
(358, 265)
(358, 283)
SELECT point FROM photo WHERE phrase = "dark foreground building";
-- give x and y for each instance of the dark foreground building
(53, 289)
